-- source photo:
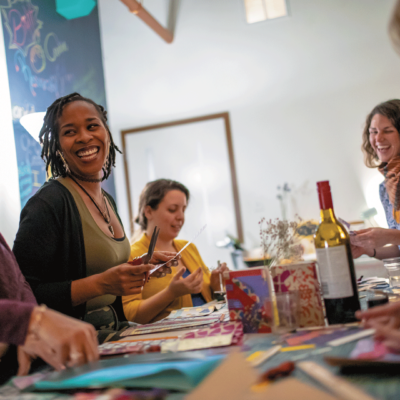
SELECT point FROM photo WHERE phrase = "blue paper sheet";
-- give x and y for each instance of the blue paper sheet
(177, 375)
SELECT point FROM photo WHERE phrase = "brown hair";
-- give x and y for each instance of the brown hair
(394, 27)
(152, 195)
(391, 110)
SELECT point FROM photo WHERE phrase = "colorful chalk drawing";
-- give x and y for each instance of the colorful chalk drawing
(47, 57)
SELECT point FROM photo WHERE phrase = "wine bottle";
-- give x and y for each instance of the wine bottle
(335, 263)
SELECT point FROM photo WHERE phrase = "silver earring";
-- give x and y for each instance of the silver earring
(67, 170)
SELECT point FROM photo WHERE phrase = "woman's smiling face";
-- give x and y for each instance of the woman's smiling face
(169, 215)
(84, 140)
(384, 138)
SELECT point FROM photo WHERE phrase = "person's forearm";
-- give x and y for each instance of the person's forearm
(385, 252)
(152, 306)
(394, 237)
(83, 290)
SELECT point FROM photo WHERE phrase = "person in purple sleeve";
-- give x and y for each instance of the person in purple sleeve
(28, 331)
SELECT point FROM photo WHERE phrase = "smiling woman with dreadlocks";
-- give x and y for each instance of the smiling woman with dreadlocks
(71, 245)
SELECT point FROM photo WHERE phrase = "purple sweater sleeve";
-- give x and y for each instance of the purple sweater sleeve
(14, 321)
(16, 298)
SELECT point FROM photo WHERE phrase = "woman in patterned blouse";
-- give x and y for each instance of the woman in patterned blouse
(381, 147)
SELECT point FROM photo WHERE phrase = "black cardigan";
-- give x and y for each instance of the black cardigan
(49, 246)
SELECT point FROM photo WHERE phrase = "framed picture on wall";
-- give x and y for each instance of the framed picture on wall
(197, 152)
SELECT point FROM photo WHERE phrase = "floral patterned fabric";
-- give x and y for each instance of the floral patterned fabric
(392, 224)
(302, 278)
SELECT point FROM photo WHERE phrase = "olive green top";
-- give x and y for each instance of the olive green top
(102, 251)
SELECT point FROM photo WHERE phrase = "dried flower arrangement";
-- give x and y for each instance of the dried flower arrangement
(278, 241)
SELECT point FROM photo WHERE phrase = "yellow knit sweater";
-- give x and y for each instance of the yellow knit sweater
(190, 258)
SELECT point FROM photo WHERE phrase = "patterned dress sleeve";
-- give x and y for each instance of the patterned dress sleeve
(392, 224)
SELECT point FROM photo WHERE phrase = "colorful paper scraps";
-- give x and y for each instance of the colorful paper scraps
(183, 374)
(217, 335)
(323, 336)
(191, 312)
(370, 354)
(368, 349)
(247, 292)
(297, 348)
(137, 347)
(301, 277)
(109, 394)
(170, 325)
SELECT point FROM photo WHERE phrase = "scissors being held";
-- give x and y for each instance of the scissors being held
(169, 258)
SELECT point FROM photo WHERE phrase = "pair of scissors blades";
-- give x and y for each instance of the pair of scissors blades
(146, 259)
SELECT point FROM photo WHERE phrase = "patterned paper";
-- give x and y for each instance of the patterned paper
(191, 312)
(114, 348)
(303, 278)
(217, 335)
(170, 325)
(247, 292)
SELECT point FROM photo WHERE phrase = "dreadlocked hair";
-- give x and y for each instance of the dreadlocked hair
(49, 136)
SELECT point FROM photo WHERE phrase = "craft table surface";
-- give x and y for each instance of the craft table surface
(383, 387)
(379, 386)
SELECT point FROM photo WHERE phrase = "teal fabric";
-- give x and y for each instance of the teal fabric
(175, 375)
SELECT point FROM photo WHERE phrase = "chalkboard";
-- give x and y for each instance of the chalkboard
(47, 57)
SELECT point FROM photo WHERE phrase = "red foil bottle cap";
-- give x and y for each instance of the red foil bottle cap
(324, 195)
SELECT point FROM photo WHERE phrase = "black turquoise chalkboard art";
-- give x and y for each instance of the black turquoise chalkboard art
(47, 57)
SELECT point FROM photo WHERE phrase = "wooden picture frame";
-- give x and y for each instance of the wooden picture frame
(225, 117)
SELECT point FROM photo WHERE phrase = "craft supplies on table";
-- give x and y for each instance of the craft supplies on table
(330, 336)
(216, 335)
(259, 357)
(368, 354)
(341, 387)
(191, 312)
(134, 346)
(170, 325)
(248, 292)
(301, 277)
(162, 371)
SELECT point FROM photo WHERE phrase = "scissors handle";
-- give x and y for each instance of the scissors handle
(152, 246)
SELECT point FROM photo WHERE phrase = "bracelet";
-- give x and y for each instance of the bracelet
(374, 253)
(37, 319)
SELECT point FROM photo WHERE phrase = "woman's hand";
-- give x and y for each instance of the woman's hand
(215, 277)
(59, 340)
(124, 279)
(160, 257)
(373, 238)
(387, 315)
(357, 251)
(389, 337)
(386, 322)
(189, 285)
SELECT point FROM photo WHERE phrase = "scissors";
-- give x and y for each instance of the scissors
(146, 259)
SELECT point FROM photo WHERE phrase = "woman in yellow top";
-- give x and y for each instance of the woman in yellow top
(163, 203)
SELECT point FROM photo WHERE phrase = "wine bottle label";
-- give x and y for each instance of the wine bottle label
(334, 271)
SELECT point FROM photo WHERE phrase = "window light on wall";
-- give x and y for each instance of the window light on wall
(261, 10)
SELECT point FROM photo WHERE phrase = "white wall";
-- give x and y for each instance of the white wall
(10, 205)
(297, 89)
